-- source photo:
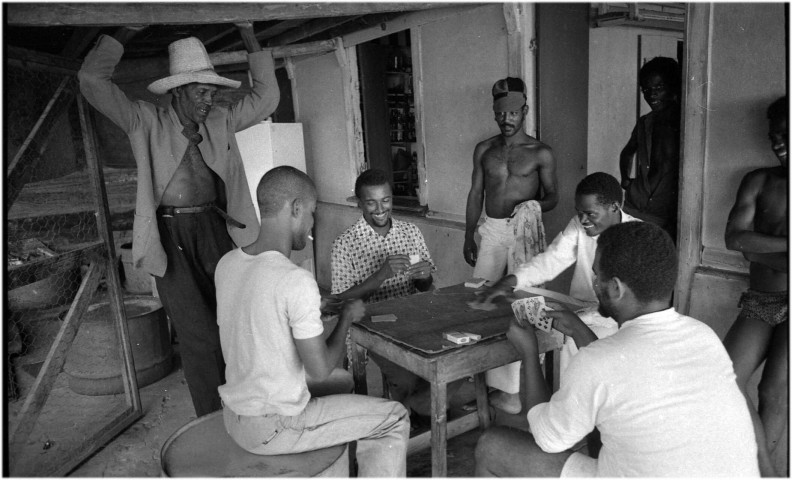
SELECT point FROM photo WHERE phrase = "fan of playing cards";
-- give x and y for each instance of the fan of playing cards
(532, 310)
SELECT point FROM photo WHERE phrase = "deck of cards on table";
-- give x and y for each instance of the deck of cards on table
(532, 310)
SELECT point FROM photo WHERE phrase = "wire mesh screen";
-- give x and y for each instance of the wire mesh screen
(54, 246)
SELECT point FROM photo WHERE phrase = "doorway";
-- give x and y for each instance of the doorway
(388, 111)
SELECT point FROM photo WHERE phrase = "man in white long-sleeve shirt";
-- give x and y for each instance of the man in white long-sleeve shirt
(598, 201)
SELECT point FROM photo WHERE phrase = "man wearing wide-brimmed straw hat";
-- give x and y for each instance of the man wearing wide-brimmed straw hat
(193, 202)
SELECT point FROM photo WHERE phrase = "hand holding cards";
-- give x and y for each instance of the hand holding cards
(532, 310)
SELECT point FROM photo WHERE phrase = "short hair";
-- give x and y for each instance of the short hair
(667, 68)
(640, 254)
(280, 185)
(604, 186)
(778, 110)
(370, 178)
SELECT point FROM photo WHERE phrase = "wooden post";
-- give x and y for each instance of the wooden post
(115, 295)
(347, 61)
(695, 101)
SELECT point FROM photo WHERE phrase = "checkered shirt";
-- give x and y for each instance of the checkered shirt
(360, 251)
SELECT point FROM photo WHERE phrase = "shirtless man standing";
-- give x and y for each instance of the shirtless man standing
(509, 167)
(758, 227)
(189, 173)
(507, 172)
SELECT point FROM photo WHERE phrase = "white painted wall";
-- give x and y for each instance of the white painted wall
(320, 99)
(462, 58)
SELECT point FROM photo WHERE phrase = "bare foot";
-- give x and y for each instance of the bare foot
(508, 402)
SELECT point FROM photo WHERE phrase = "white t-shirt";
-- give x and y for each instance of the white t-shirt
(662, 393)
(264, 303)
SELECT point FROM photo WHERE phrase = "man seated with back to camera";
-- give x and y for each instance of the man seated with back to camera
(268, 312)
(661, 390)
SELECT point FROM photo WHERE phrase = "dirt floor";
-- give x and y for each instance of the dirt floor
(167, 406)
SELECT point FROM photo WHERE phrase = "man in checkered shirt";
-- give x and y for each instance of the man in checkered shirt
(371, 261)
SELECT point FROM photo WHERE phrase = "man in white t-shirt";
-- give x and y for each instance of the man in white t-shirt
(268, 312)
(661, 390)
(598, 201)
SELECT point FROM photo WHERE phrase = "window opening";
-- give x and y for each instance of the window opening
(388, 109)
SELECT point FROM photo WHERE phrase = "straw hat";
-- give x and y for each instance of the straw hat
(189, 63)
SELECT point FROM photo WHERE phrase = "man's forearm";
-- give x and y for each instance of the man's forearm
(747, 241)
(777, 261)
(536, 390)
(583, 335)
(362, 290)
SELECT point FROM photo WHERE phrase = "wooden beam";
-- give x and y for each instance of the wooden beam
(308, 30)
(212, 33)
(693, 141)
(406, 21)
(32, 60)
(129, 71)
(79, 41)
(119, 14)
(266, 33)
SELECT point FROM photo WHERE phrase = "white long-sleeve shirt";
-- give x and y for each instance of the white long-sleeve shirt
(571, 246)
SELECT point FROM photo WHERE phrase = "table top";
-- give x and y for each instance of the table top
(423, 318)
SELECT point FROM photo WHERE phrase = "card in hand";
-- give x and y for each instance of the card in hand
(532, 310)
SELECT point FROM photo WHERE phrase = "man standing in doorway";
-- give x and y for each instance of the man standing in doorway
(508, 170)
(189, 174)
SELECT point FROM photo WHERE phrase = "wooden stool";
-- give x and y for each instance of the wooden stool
(203, 448)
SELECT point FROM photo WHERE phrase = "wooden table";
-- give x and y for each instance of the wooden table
(415, 342)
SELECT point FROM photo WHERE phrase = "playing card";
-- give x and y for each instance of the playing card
(475, 282)
(532, 310)
(414, 259)
(388, 317)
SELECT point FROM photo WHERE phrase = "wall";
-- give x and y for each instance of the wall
(462, 58)
(320, 108)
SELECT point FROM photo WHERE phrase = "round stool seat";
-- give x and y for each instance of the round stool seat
(203, 448)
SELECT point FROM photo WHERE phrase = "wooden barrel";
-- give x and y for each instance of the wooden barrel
(94, 362)
(203, 448)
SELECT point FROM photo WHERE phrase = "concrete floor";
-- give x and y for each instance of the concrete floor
(167, 406)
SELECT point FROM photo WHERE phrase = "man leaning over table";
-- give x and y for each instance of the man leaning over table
(598, 201)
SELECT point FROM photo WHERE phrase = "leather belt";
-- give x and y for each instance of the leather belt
(168, 211)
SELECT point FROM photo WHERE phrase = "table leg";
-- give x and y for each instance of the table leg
(359, 369)
(482, 402)
(439, 429)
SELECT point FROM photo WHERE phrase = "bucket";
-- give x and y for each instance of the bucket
(94, 363)
(203, 448)
(135, 280)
